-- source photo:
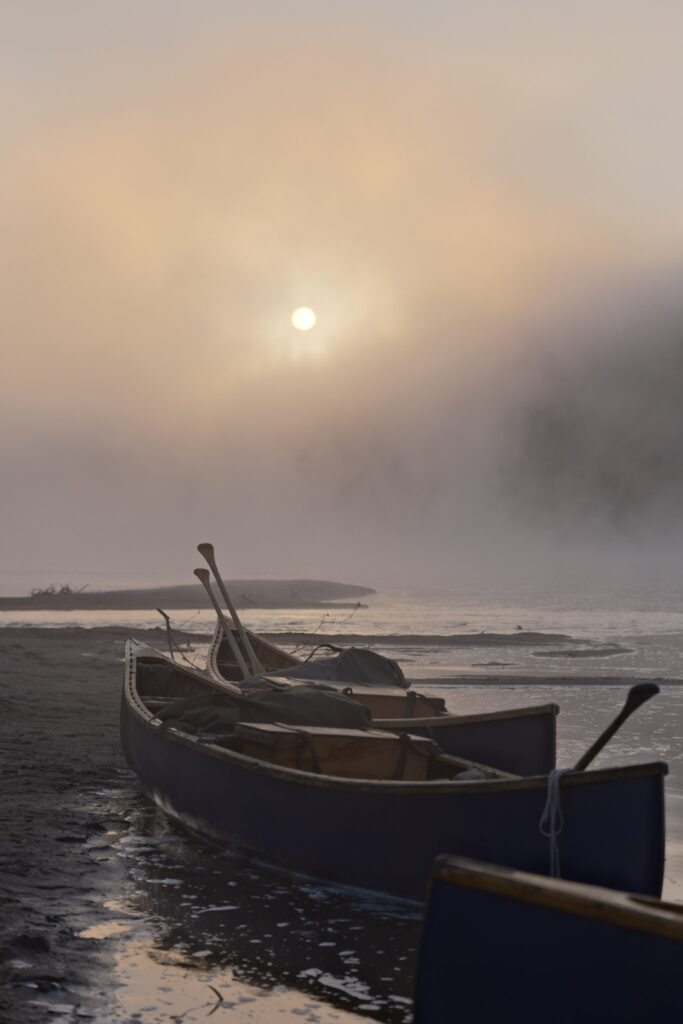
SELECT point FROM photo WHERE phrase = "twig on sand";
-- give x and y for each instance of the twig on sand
(190, 1009)
(172, 644)
(218, 1002)
(169, 635)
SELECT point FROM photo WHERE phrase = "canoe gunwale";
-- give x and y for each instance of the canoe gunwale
(217, 640)
(628, 910)
(447, 718)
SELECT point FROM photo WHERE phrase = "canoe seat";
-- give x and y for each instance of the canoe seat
(349, 753)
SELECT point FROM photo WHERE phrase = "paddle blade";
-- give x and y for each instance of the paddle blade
(637, 695)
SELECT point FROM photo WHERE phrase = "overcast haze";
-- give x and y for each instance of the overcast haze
(482, 203)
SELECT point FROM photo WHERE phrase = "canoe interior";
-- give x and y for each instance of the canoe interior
(342, 753)
(520, 741)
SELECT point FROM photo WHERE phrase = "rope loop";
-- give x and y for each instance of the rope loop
(552, 821)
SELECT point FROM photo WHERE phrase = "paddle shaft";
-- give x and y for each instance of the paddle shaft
(206, 551)
(204, 577)
(637, 695)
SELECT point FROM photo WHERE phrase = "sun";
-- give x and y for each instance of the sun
(303, 318)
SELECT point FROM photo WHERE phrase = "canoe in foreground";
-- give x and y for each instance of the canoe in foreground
(499, 944)
(361, 825)
(518, 740)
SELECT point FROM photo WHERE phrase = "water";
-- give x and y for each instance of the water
(653, 733)
(637, 634)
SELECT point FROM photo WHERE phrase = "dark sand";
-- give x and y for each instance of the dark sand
(62, 772)
(66, 805)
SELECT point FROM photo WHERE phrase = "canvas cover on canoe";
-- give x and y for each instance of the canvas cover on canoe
(304, 706)
(354, 665)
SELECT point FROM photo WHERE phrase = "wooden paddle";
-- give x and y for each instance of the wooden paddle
(637, 695)
(206, 551)
(204, 577)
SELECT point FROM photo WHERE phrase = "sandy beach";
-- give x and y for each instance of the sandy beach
(65, 805)
(60, 753)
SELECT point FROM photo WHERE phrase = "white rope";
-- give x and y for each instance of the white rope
(552, 822)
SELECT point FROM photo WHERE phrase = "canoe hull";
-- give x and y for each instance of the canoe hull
(537, 950)
(522, 741)
(385, 835)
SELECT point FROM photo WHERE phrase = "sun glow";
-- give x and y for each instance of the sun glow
(303, 318)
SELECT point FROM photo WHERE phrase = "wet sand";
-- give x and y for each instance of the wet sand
(60, 755)
(68, 944)
(66, 801)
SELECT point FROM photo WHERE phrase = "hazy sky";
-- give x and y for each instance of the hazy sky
(483, 203)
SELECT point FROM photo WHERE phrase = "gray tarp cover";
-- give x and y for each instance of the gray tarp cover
(354, 665)
(219, 713)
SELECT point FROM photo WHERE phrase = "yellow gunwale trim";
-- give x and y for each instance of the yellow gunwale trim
(216, 641)
(620, 908)
(484, 716)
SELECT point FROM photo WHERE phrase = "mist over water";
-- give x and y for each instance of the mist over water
(485, 391)
(560, 454)
(555, 454)
(598, 439)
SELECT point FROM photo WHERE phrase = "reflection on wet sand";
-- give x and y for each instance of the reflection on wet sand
(157, 992)
(226, 921)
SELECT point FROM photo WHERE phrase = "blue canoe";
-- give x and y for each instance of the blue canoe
(334, 807)
(517, 740)
(500, 944)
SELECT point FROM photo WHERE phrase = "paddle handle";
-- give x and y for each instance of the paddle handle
(637, 695)
(204, 577)
(207, 552)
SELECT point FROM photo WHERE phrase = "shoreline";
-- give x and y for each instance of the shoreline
(68, 637)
